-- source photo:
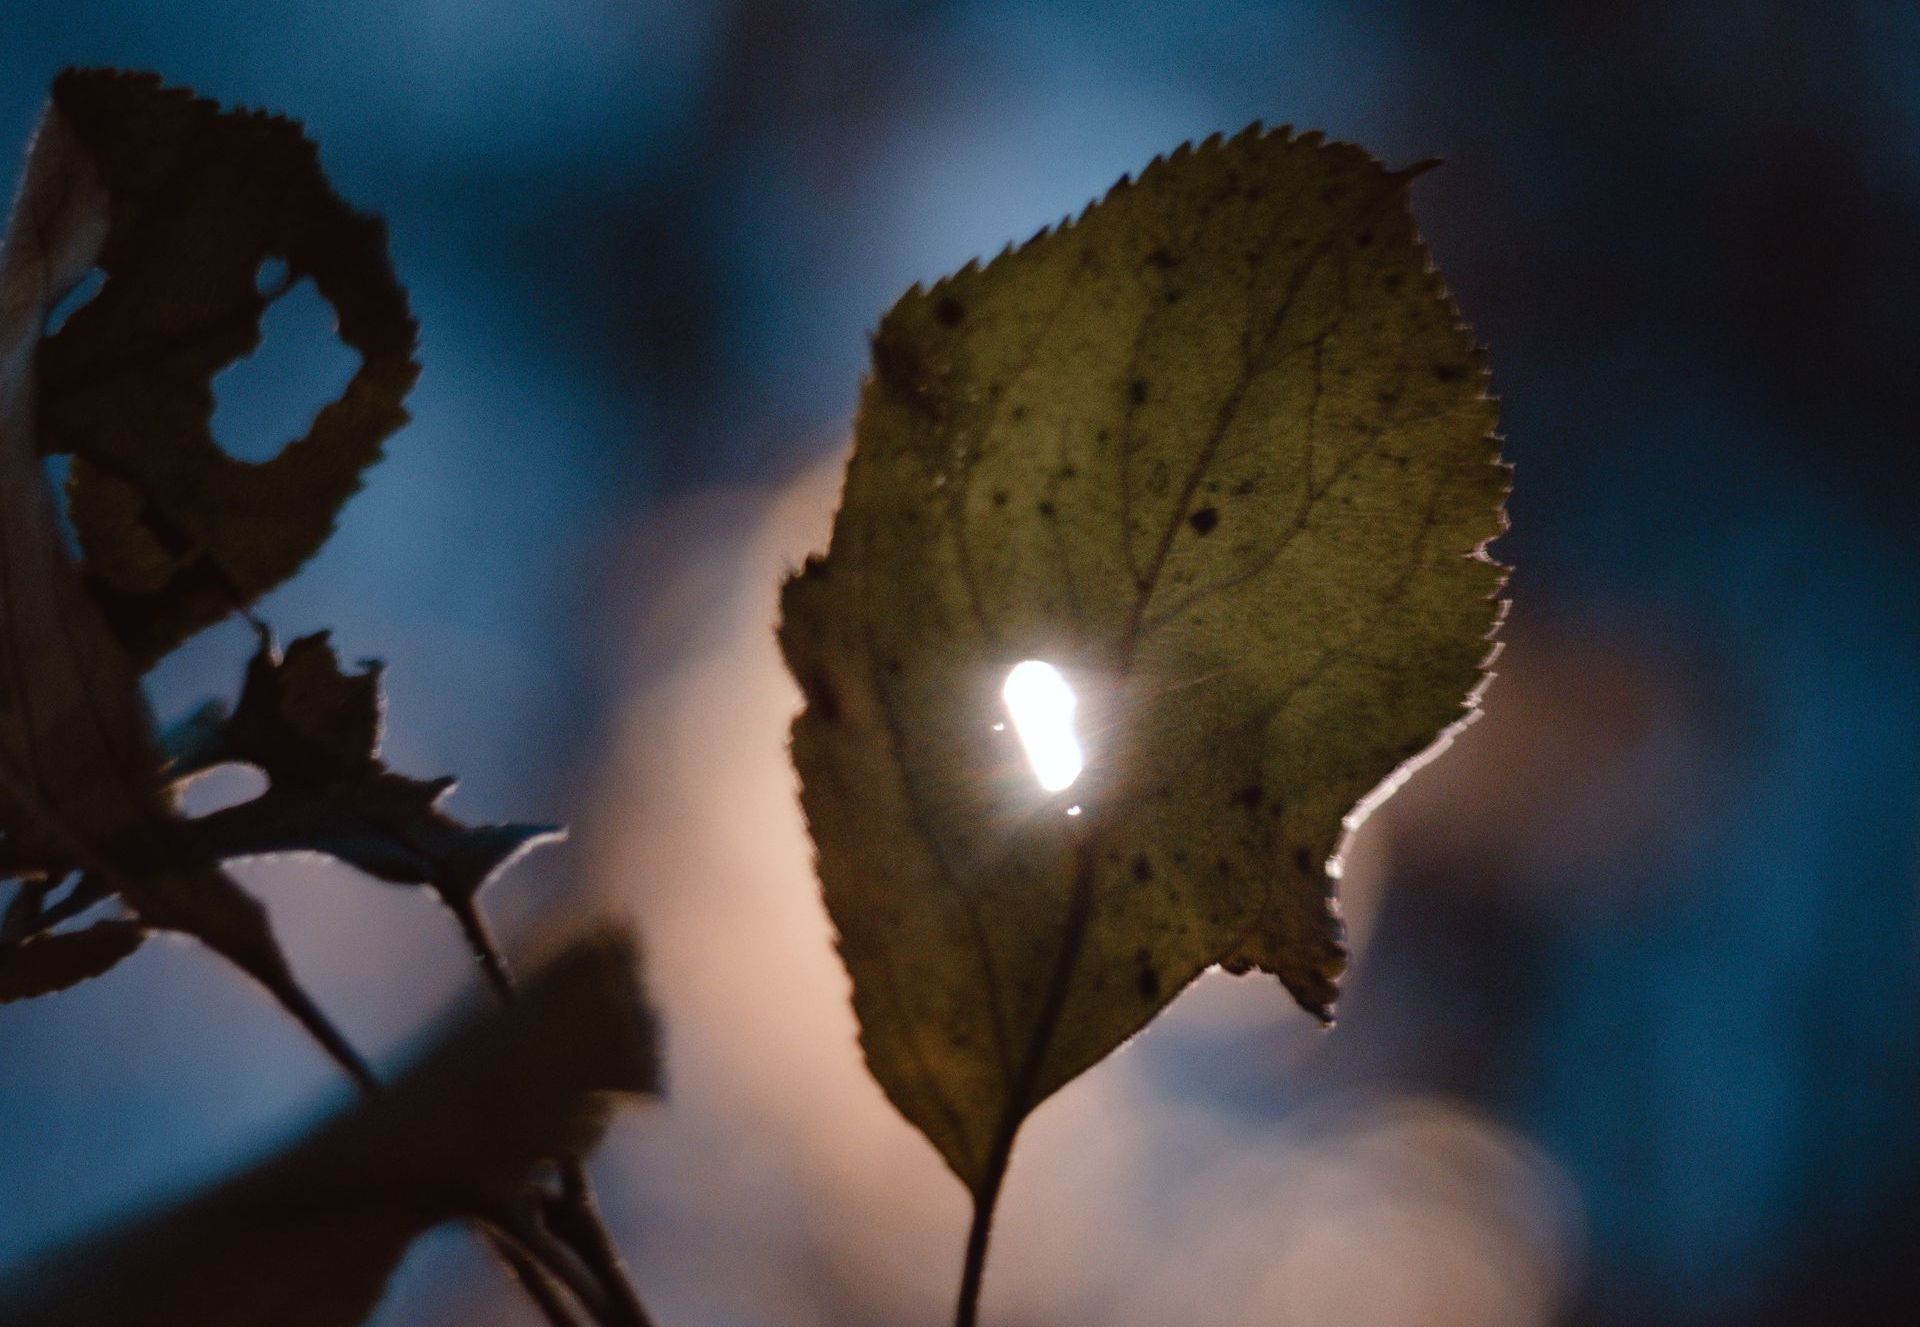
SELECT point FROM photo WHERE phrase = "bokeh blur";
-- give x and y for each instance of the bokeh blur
(1633, 1034)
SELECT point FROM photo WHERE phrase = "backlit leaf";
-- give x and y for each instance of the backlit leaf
(1219, 452)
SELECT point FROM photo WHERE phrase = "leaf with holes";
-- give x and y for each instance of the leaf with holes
(309, 1238)
(79, 769)
(1219, 452)
(176, 533)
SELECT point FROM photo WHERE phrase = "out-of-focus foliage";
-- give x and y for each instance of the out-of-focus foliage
(309, 1238)
(1218, 450)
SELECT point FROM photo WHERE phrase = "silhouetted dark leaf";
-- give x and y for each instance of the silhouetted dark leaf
(309, 1238)
(315, 732)
(43, 964)
(76, 772)
(79, 772)
(176, 533)
(1219, 451)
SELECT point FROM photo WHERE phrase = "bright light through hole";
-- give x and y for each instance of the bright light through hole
(1041, 705)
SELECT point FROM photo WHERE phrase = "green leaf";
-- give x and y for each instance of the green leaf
(176, 533)
(43, 964)
(1220, 452)
(309, 1238)
(315, 732)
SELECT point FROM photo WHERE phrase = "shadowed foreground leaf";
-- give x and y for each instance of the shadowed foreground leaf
(315, 732)
(310, 1238)
(1219, 451)
(78, 770)
(176, 533)
(43, 964)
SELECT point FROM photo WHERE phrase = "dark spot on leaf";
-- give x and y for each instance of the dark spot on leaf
(949, 312)
(1163, 259)
(1302, 860)
(1018, 413)
(1149, 976)
(1363, 239)
(822, 698)
(1142, 868)
(1000, 496)
(1044, 507)
(1222, 866)
(898, 363)
(1449, 372)
(1137, 390)
(1204, 520)
(1173, 296)
(1244, 487)
(1248, 796)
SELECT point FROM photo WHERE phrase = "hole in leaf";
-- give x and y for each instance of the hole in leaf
(269, 399)
(221, 787)
(83, 291)
(57, 468)
(271, 278)
(1041, 705)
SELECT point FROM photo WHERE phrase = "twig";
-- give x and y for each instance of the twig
(573, 1215)
(532, 1278)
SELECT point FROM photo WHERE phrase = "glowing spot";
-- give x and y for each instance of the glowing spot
(1073, 810)
(1041, 705)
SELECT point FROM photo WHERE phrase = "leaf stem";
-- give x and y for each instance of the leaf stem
(533, 1278)
(306, 1011)
(559, 1260)
(485, 949)
(1020, 1098)
(576, 1219)
(967, 1311)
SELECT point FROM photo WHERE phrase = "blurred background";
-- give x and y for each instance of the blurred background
(1633, 1033)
